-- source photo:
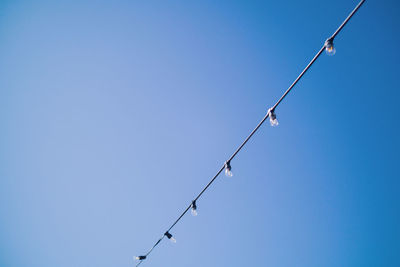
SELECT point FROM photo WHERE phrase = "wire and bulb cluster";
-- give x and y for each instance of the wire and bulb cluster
(170, 237)
(272, 117)
(329, 47)
(194, 208)
(226, 167)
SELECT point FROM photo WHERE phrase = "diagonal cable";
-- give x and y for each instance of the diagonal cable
(270, 111)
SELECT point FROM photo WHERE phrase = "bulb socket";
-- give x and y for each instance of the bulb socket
(168, 235)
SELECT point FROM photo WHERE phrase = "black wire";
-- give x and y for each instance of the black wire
(260, 123)
(348, 18)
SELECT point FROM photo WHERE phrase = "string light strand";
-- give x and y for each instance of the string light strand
(330, 50)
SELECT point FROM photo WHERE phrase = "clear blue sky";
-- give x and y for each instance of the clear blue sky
(114, 115)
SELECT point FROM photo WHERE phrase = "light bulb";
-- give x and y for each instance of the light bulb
(228, 169)
(194, 212)
(272, 118)
(329, 48)
(140, 258)
(170, 237)
(273, 122)
(194, 208)
(228, 173)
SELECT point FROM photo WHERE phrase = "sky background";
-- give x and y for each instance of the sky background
(115, 114)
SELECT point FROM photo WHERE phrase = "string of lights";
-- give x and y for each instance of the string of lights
(330, 50)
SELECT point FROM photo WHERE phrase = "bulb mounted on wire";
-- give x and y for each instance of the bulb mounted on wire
(228, 169)
(170, 237)
(329, 48)
(272, 117)
(194, 208)
(140, 258)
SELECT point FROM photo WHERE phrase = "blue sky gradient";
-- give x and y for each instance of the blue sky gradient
(115, 114)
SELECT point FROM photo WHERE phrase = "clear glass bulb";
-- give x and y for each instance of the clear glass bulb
(194, 212)
(137, 258)
(228, 172)
(173, 240)
(272, 118)
(274, 122)
(329, 48)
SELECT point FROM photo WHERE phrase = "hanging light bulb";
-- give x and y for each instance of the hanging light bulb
(140, 258)
(194, 208)
(272, 118)
(329, 48)
(170, 237)
(228, 169)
